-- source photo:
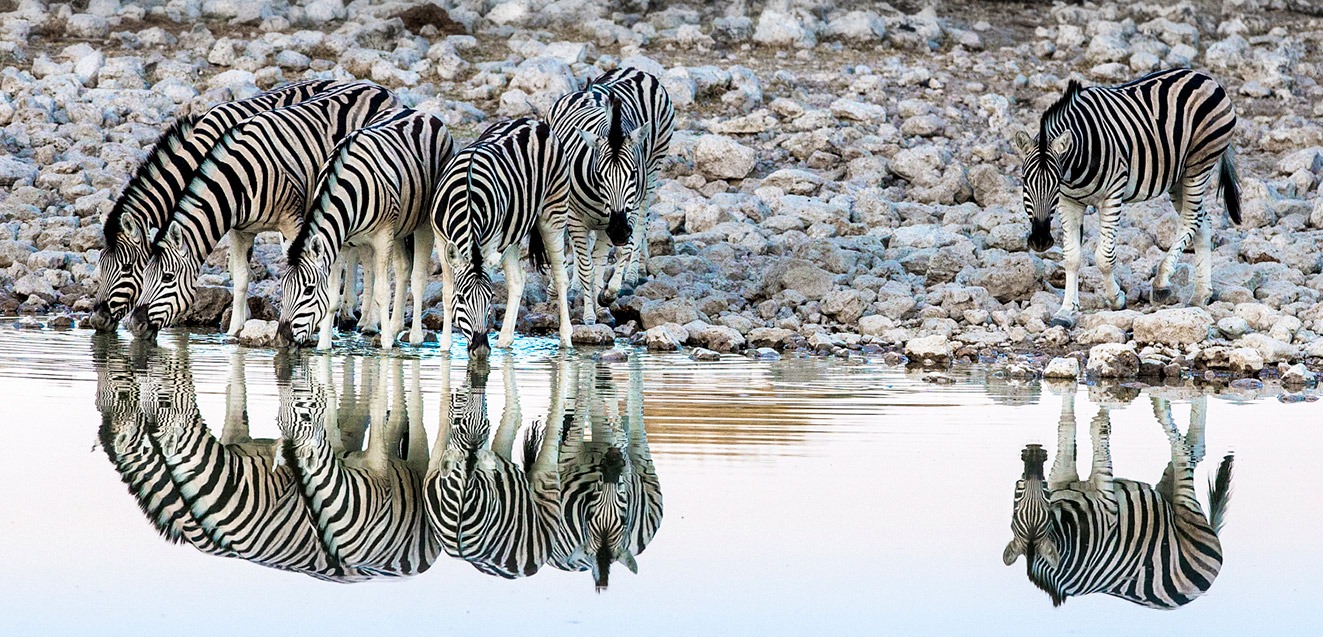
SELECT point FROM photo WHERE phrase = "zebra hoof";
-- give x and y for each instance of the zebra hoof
(1061, 321)
(1163, 296)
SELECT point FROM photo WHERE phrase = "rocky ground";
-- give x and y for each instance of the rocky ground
(841, 180)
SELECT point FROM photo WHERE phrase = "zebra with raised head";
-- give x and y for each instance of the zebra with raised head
(256, 178)
(1104, 146)
(611, 500)
(615, 133)
(499, 515)
(1147, 545)
(374, 191)
(152, 192)
(509, 184)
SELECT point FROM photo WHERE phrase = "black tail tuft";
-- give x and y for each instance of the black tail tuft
(1219, 494)
(1229, 184)
(537, 251)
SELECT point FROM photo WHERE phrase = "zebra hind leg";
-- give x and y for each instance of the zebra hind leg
(1188, 198)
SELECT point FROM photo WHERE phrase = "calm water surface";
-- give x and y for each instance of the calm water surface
(799, 496)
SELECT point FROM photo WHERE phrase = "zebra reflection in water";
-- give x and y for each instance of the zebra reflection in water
(1144, 544)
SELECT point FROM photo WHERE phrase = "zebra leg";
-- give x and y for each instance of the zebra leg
(422, 262)
(581, 240)
(1109, 215)
(1190, 196)
(381, 259)
(638, 247)
(348, 296)
(601, 246)
(333, 278)
(235, 430)
(1063, 470)
(416, 459)
(1072, 231)
(511, 414)
(553, 238)
(1100, 476)
(368, 321)
(1203, 260)
(514, 288)
(241, 244)
(447, 296)
(401, 264)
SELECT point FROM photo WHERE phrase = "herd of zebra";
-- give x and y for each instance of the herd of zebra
(345, 172)
(576, 490)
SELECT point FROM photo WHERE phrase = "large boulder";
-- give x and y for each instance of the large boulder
(720, 157)
(678, 311)
(667, 337)
(718, 338)
(258, 333)
(1062, 368)
(1113, 360)
(592, 335)
(934, 348)
(1176, 327)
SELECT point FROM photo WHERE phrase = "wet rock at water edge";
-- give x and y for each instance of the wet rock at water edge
(27, 323)
(1299, 376)
(1062, 368)
(1113, 360)
(61, 322)
(704, 354)
(1245, 360)
(593, 335)
(1175, 327)
(667, 337)
(613, 356)
(764, 354)
(258, 333)
(934, 349)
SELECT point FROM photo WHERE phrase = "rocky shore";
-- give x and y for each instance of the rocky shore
(841, 180)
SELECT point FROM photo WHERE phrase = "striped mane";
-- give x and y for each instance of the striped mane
(1055, 112)
(615, 137)
(1030, 552)
(155, 158)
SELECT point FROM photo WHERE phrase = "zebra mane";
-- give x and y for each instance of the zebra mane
(615, 137)
(1030, 551)
(1055, 112)
(329, 174)
(155, 158)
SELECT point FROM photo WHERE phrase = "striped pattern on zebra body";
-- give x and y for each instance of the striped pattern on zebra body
(615, 133)
(1148, 545)
(508, 184)
(1104, 146)
(368, 508)
(374, 191)
(499, 515)
(256, 178)
(611, 501)
(152, 192)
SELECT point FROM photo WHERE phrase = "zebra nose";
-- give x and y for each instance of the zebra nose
(100, 320)
(284, 335)
(618, 228)
(142, 325)
(478, 347)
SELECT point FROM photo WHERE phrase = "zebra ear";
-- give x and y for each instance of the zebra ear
(129, 229)
(1013, 551)
(1024, 143)
(591, 139)
(174, 238)
(638, 135)
(627, 559)
(1048, 549)
(1062, 144)
(317, 246)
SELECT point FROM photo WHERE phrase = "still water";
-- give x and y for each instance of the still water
(196, 487)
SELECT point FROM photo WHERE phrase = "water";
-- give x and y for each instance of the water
(795, 496)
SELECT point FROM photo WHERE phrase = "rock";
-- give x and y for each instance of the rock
(1113, 360)
(703, 354)
(593, 335)
(13, 170)
(935, 348)
(1272, 350)
(209, 305)
(859, 27)
(769, 337)
(677, 311)
(1016, 276)
(12, 251)
(719, 338)
(858, 111)
(667, 337)
(1233, 327)
(1299, 375)
(258, 333)
(33, 285)
(720, 157)
(1102, 334)
(1244, 360)
(87, 26)
(1067, 368)
(1180, 327)
(875, 325)
(780, 29)
(613, 356)
(538, 83)
(764, 354)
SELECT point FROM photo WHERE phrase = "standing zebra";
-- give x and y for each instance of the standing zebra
(611, 501)
(374, 191)
(615, 132)
(499, 515)
(1147, 545)
(256, 178)
(1105, 146)
(150, 195)
(508, 184)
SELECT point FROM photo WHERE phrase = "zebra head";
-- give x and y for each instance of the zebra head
(306, 297)
(1041, 174)
(472, 298)
(608, 523)
(118, 268)
(620, 170)
(1031, 520)
(167, 284)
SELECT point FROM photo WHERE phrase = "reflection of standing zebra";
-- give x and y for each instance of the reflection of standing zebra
(615, 133)
(499, 515)
(256, 178)
(508, 184)
(150, 195)
(1105, 146)
(1147, 545)
(611, 503)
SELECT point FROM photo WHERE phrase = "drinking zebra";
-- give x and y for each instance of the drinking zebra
(508, 184)
(1105, 146)
(256, 178)
(615, 133)
(611, 501)
(485, 508)
(374, 191)
(1144, 544)
(151, 193)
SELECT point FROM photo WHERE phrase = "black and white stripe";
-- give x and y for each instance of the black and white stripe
(151, 194)
(375, 192)
(509, 184)
(1105, 146)
(256, 178)
(615, 133)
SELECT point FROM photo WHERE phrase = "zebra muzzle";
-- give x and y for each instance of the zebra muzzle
(618, 229)
(101, 319)
(1040, 234)
(478, 347)
(142, 325)
(285, 335)
(1033, 456)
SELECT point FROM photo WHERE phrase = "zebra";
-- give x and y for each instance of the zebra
(374, 191)
(615, 133)
(368, 509)
(509, 183)
(256, 178)
(151, 193)
(1105, 146)
(1148, 545)
(611, 500)
(496, 514)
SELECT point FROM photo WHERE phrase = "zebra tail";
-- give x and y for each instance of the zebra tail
(1229, 185)
(537, 251)
(1219, 494)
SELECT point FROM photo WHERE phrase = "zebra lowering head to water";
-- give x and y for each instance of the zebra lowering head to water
(1147, 545)
(154, 189)
(1105, 146)
(615, 133)
(509, 184)
(256, 178)
(374, 191)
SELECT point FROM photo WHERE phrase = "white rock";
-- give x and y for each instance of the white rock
(720, 157)
(776, 28)
(593, 335)
(934, 348)
(86, 25)
(320, 12)
(1272, 350)
(543, 80)
(1298, 374)
(1113, 360)
(860, 27)
(1067, 367)
(258, 333)
(242, 84)
(1177, 327)
(508, 13)
(845, 108)
(666, 337)
(13, 169)
(88, 67)
(1245, 360)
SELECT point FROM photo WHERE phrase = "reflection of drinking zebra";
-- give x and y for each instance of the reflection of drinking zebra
(497, 514)
(368, 507)
(256, 178)
(611, 503)
(150, 195)
(1148, 545)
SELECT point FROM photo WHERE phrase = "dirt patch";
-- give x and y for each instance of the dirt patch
(415, 18)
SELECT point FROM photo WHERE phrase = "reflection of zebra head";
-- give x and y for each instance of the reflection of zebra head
(167, 282)
(621, 167)
(1029, 522)
(1043, 159)
(306, 296)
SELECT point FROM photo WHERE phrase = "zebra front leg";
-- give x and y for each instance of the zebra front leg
(382, 255)
(241, 245)
(601, 246)
(422, 262)
(581, 240)
(514, 288)
(511, 414)
(401, 266)
(1100, 477)
(1072, 238)
(368, 321)
(447, 296)
(348, 297)
(235, 430)
(326, 326)
(1063, 470)
(553, 238)
(638, 248)
(1189, 200)
(1109, 216)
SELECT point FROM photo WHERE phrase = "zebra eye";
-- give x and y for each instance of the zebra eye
(310, 288)
(168, 277)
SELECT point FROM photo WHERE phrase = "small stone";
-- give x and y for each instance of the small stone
(938, 378)
(1113, 360)
(258, 333)
(593, 335)
(764, 354)
(613, 356)
(1245, 360)
(1247, 384)
(704, 354)
(934, 348)
(1068, 368)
